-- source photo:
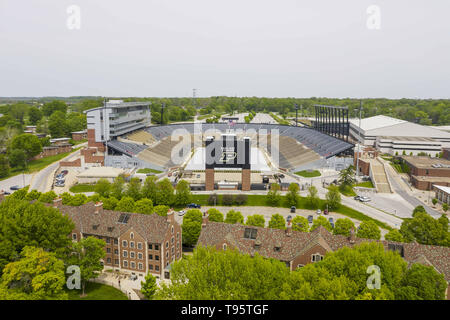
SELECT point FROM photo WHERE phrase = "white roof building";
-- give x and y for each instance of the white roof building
(384, 126)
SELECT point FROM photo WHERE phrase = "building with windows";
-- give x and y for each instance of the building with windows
(398, 135)
(425, 172)
(442, 194)
(135, 243)
(116, 118)
(296, 249)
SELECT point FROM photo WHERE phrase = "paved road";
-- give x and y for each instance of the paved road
(400, 190)
(15, 181)
(43, 180)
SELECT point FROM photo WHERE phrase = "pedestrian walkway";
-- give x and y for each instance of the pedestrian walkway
(379, 175)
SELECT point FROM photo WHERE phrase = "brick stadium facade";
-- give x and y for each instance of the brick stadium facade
(135, 243)
(296, 249)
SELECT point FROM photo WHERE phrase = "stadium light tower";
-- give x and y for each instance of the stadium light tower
(296, 114)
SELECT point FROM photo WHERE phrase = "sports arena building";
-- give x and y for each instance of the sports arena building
(395, 136)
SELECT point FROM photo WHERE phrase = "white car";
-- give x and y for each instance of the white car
(319, 211)
(364, 199)
(181, 213)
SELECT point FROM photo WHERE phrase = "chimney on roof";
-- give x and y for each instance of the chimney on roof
(2, 195)
(57, 203)
(205, 219)
(98, 207)
(171, 216)
(352, 236)
(289, 229)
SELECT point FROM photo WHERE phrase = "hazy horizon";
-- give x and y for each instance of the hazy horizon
(273, 49)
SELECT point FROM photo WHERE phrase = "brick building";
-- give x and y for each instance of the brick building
(296, 249)
(426, 172)
(135, 243)
(79, 135)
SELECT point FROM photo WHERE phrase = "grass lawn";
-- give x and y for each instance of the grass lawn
(81, 187)
(148, 170)
(75, 143)
(308, 174)
(365, 184)
(261, 200)
(97, 291)
(348, 191)
(38, 165)
(278, 119)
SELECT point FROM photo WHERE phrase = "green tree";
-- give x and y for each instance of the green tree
(4, 166)
(292, 195)
(183, 193)
(235, 276)
(161, 210)
(117, 187)
(215, 215)
(273, 196)
(394, 235)
(234, 217)
(164, 192)
(134, 189)
(17, 158)
(125, 204)
(38, 275)
(29, 143)
(78, 200)
(149, 189)
(33, 195)
(342, 275)
(103, 187)
(144, 206)
(321, 221)
(445, 207)
(346, 176)
(277, 222)
(57, 125)
(368, 230)
(87, 254)
(149, 286)
(300, 223)
(422, 283)
(312, 197)
(47, 197)
(191, 227)
(110, 203)
(51, 107)
(256, 220)
(34, 115)
(343, 227)
(333, 198)
(31, 224)
(425, 230)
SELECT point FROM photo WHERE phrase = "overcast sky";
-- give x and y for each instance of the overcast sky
(276, 48)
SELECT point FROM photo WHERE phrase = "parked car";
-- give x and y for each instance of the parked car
(181, 213)
(59, 184)
(330, 219)
(318, 211)
(6, 192)
(293, 209)
(364, 199)
(325, 212)
(133, 277)
(15, 188)
(193, 206)
(310, 219)
(357, 198)
(65, 172)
